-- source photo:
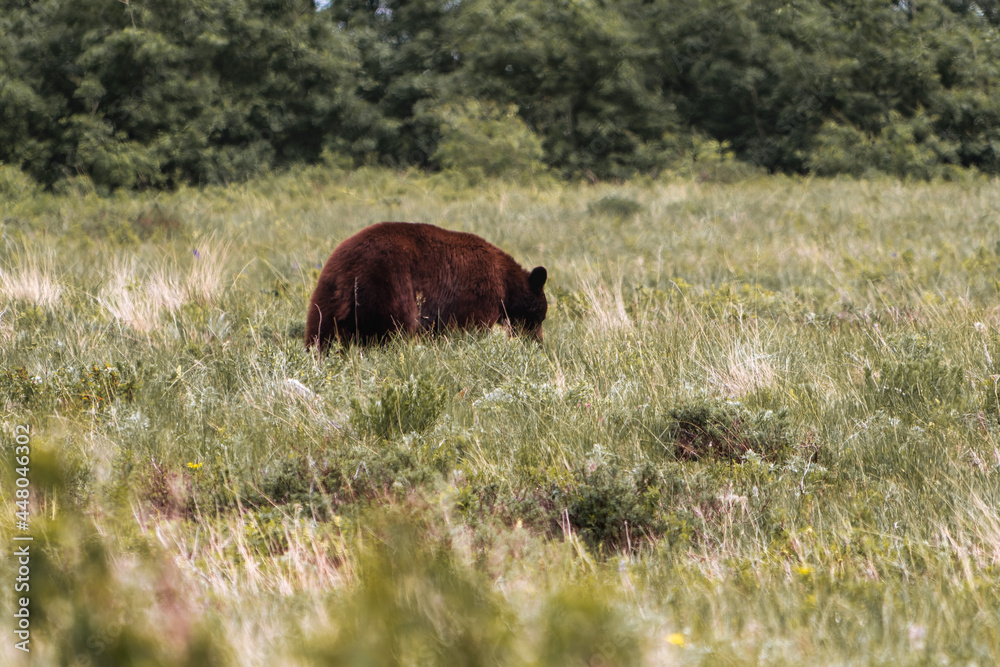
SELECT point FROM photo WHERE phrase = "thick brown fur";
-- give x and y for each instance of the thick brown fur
(410, 277)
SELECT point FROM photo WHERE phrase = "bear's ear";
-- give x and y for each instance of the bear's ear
(536, 280)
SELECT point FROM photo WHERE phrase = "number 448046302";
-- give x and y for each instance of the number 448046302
(22, 453)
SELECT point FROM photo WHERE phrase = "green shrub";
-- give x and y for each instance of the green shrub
(482, 139)
(94, 387)
(408, 407)
(725, 431)
(289, 480)
(611, 507)
(15, 185)
(904, 147)
(712, 161)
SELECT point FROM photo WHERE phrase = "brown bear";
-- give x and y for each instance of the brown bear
(410, 277)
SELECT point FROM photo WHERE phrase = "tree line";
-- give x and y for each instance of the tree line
(152, 94)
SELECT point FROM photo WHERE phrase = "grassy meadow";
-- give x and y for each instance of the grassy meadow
(762, 429)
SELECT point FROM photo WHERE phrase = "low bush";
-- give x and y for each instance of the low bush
(93, 387)
(401, 407)
(724, 431)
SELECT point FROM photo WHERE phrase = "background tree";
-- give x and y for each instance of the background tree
(150, 94)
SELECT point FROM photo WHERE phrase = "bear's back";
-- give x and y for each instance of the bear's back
(422, 251)
(416, 238)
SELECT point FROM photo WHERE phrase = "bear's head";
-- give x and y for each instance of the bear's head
(526, 311)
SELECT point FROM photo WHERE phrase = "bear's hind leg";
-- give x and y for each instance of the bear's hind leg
(319, 329)
(403, 307)
(383, 308)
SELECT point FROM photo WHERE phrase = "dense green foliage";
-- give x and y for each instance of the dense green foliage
(154, 94)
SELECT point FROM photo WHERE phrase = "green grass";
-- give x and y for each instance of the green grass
(762, 429)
